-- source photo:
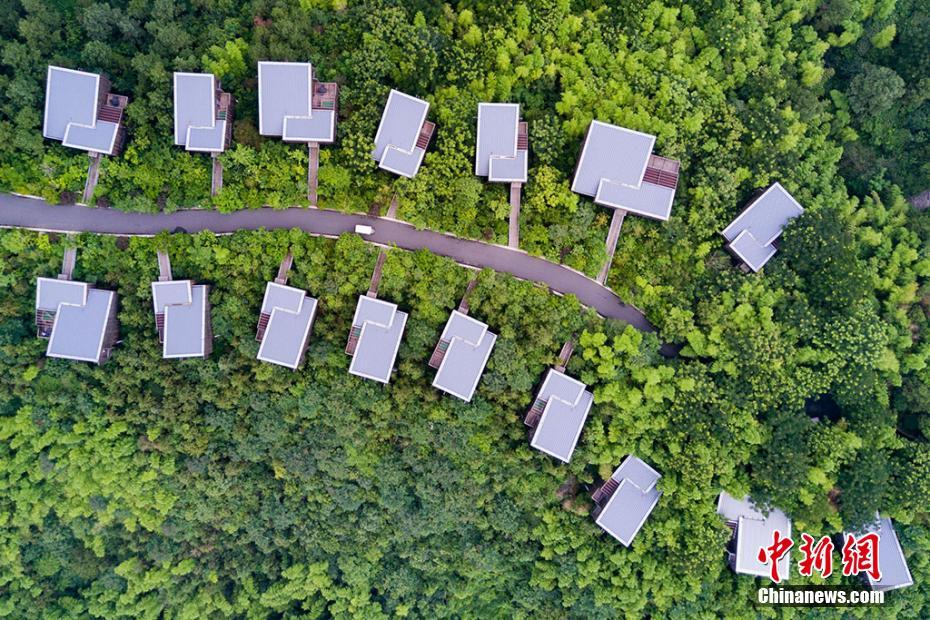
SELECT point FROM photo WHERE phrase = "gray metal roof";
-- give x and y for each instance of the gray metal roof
(395, 141)
(285, 101)
(207, 139)
(70, 97)
(101, 138)
(764, 218)
(750, 251)
(567, 405)
(614, 153)
(51, 293)
(81, 317)
(634, 500)
(891, 561)
(71, 101)
(754, 530)
(79, 331)
(496, 154)
(470, 345)
(321, 127)
(170, 293)
(382, 329)
(292, 312)
(647, 200)
(195, 111)
(185, 321)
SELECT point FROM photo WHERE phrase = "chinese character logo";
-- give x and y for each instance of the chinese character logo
(775, 552)
(861, 555)
(817, 557)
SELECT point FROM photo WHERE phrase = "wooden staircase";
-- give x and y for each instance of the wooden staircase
(353, 339)
(426, 132)
(263, 319)
(110, 114)
(523, 142)
(438, 353)
(160, 326)
(603, 493)
(535, 412)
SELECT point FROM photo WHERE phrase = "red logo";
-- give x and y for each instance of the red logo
(861, 555)
(774, 552)
(817, 557)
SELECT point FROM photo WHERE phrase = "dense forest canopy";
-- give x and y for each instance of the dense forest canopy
(228, 487)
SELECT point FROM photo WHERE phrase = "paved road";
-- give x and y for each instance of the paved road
(22, 212)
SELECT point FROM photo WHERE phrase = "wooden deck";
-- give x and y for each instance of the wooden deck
(426, 133)
(439, 353)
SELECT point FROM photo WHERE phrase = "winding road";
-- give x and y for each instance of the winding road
(35, 214)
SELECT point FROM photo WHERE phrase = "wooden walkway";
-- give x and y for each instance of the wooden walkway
(616, 222)
(93, 174)
(513, 227)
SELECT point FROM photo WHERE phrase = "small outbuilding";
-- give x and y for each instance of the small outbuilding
(751, 236)
(403, 134)
(626, 499)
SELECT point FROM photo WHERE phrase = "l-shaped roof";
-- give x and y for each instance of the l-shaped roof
(396, 147)
(292, 312)
(82, 315)
(754, 530)
(753, 233)
(72, 99)
(196, 126)
(615, 170)
(185, 306)
(634, 500)
(496, 154)
(381, 329)
(285, 104)
(567, 405)
(470, 345)
(891, 561)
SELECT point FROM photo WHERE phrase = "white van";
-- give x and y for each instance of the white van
(361, 229)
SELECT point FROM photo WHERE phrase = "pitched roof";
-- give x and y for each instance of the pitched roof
(71, 102)
(496, 153)
(285, 104)
(634, 500)
(82, 315)
(891, 561)
(186, 309)
(196, 126)
(754, 530)
(613, 170)
(396, 147)
(470, 345)
(382, 327)
(292, 312)
(567, 405)
(753, 232)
